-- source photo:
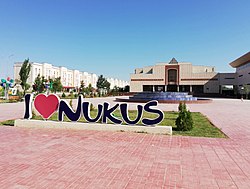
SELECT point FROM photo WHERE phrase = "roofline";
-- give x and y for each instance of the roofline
(241, 60)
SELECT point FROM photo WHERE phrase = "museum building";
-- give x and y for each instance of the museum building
(177, 76)
(242, 65)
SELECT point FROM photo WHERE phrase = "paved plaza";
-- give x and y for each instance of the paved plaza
(47, 158)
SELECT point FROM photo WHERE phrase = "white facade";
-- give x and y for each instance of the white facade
(185, 77)
(243, 74)
(175, 76)
(69, 78)
(242, 65)
(118, 83)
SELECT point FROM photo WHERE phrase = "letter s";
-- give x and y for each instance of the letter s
(148, 108)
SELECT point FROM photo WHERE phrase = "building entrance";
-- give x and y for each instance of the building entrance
(148, 88)
(172, 88)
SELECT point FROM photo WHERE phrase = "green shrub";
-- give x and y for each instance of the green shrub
(63, 95)
(33, 113)
(1, 91)
(71, 103)
(182, 107)
(92, 107)
(75, 95)
(20, 94)
(12, 101)
(71, 95)
(184, 121)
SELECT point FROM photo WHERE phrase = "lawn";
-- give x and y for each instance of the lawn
(8, 101)
(202, 126)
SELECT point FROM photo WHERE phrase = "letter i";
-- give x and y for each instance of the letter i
(28, 106)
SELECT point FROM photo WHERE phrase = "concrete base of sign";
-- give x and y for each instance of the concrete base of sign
(93, 126)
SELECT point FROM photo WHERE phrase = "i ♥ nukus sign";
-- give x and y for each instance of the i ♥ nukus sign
(47, 105)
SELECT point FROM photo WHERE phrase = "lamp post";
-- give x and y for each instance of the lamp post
(242, 90)
(105, 91)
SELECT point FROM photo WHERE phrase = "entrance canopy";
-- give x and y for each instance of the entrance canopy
(241, 60)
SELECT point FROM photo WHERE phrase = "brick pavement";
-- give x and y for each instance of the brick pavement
(11, 111)
(47, 158)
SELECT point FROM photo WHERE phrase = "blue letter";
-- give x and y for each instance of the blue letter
(157, 120)
(65, 108)
(107, 113)
(86, 112)
(28, 108)
(124, 113)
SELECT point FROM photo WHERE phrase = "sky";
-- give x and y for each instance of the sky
(113, 37)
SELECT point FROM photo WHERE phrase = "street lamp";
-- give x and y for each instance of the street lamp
(242, 91)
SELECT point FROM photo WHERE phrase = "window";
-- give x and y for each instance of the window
(150, 71)
(240, 75)
(172, 75)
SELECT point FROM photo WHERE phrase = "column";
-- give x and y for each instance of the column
(191, 89)
(178, 88)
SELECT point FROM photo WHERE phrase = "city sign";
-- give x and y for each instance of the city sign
(47, 105)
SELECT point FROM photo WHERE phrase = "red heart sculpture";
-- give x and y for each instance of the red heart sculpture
(46, 105)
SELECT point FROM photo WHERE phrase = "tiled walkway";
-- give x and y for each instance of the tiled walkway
(11, 111)
(42, 158)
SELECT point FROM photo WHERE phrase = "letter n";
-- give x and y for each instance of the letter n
(65, 108)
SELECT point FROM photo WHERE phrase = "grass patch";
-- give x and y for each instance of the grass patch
(8, 122)
(8, 101)
(202, 126)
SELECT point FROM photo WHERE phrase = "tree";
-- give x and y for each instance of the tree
(184, 121)
(102, 83)
(246, 90)
(90, 89)
(56, 85)
(126, 88)
(24, 75)
(39, 84)
(82, 87)
(107, 85)
(115, 90)
(1, 91)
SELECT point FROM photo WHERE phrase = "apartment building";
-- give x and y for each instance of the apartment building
(69, 78)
